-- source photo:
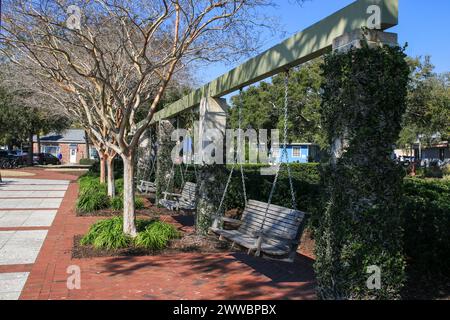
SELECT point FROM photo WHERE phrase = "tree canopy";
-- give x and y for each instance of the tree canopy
(262, 105)
(428, 105)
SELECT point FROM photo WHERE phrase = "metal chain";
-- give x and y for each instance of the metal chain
(286, 107)
(225, 190)
(241, 146)
(284, 153)
(234, 163)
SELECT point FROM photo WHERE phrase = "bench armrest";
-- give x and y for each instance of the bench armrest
(217, 219)
(170, 194)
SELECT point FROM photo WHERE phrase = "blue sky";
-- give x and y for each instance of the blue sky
(423, 24)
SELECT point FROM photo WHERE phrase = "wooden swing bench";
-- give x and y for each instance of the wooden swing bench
(146, 187)
(272, 233)
(184, 201)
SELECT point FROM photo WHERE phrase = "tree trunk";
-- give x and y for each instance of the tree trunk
(101, 156)
(110, 178)
(38, 139)
(86, 138)
(129, 214)
(30, 149)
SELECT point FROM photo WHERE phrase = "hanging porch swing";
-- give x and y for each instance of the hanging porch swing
(265, 229)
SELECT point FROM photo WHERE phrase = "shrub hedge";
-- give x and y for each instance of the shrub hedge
(306, 181)
(426, 221)
(86, 161)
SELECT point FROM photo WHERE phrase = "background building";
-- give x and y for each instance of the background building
(300, 153)
(70, 143)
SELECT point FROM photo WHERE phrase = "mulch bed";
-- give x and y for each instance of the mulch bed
(188, 243)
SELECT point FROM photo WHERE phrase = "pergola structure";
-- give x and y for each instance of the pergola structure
(305, 45)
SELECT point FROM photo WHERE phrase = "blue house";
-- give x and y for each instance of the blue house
(300, 153)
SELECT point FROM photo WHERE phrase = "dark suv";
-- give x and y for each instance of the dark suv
(45, 158)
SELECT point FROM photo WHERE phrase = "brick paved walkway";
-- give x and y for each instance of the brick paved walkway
(171, 276)
(27, 210)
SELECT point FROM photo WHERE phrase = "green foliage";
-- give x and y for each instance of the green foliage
(433, 172)
(428, 104)
(156, 236)
(117, 203)
(87, 162)
(19, 116)
(364, 94)
(426, 220)
(92, 195)
(262, 104)
(108, 234)
(119, 185)
(446, 170)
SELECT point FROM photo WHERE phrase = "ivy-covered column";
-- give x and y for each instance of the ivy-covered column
(209, 153)
(359, 243)
(163, 159)
(144, 157)
(211, 184)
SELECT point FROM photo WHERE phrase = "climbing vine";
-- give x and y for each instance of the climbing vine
(364, 93)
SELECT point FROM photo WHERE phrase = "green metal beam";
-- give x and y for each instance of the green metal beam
(300, 48)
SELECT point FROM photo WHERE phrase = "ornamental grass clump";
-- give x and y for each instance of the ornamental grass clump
(108, 234)
(156, 236)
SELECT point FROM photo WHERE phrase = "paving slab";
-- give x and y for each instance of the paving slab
(31, 203)
(26, 218)
(11, 285)
(20, 247)
(26, 187)
(34, 181)
(31, 194)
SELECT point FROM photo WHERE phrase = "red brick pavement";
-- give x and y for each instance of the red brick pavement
(169, 276)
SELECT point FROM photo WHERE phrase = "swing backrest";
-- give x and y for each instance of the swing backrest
(188, 192)
(279, 221)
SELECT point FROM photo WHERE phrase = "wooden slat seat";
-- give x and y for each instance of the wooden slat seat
(184, 201)
(272, 230)
(146, 187)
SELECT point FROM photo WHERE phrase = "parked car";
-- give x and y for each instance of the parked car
(45, 158)
(17, 152)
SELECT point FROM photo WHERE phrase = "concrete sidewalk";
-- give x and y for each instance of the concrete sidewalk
(29, 204)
